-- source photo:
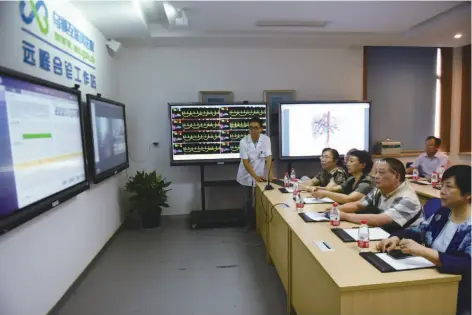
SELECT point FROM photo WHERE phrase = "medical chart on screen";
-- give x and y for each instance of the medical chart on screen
(211, 131)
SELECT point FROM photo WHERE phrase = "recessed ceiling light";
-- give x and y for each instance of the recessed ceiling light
(458, 35)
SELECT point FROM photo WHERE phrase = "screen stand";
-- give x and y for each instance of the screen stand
(205, 218)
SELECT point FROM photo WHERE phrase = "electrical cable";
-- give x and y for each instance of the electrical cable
(145, 159)
(273, 207)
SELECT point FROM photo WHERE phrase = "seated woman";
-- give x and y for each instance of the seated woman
(355, 187)
(445, 235)
(346, 158)
(330, 176)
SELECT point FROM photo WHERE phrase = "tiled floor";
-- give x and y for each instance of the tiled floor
(177, 271)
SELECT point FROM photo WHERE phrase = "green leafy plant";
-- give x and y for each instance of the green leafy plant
(148, 194)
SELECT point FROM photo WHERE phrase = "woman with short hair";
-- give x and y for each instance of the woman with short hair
(445, 235)
(355, 187)
(331, 174)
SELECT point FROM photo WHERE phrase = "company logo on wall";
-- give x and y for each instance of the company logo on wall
(69, 52)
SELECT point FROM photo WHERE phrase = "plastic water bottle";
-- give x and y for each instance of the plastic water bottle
(296, 188)
(286, 180)
(299, 201)
(440, 172)
(363, 240)
(434, 179)
(293, 176)
(334, 216)
(416, 174)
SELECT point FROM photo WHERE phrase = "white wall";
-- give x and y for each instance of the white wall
(42, 258)
(149, 78)
(456, 101)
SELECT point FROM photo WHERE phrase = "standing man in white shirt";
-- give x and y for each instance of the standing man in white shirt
(255, 152)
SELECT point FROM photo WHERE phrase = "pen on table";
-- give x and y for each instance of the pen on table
(325, 244)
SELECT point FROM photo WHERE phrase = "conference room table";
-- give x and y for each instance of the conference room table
(425, 192)
(340, 281)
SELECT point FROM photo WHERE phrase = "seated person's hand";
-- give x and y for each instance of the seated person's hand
(303, 187)
(311, 188)
(410, 247)
(388, 244)
(318, 194)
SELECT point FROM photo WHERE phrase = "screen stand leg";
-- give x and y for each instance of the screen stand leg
(202, 186)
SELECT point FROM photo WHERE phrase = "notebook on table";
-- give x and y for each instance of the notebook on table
(420, 182)
(311, 216)
(278, 182)
(385, 263)
(312, 201)
(352, 235)
(286, 190)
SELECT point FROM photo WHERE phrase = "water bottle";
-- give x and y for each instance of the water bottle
(334, 216)
(296, 188)
(299, 201)
(440, 172)
(416, 174)
(434, 179)
(286, 180)
(363, 239)
(293, 176)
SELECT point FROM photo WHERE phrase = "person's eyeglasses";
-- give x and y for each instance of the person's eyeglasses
(254, 128)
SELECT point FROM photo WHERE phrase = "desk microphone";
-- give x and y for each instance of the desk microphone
(269, 186)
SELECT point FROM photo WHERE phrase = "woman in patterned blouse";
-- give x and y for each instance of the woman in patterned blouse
(331, 175)
(445, 235)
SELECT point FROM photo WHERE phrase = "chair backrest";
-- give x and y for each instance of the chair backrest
(431, 206)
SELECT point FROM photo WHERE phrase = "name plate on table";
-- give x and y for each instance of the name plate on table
(384, 263)
(352, 235)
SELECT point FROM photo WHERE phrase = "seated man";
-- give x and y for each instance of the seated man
(330, 175)
(429, 161)
(355, 187)
(393, 204)
(446, 234)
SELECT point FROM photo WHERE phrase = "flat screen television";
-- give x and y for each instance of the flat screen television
(306, 128)
(107, 144)
(210, 133)
(42, 159)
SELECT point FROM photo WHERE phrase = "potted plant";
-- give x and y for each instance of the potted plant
(148, 197)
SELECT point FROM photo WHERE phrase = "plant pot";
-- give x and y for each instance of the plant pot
(151, 219)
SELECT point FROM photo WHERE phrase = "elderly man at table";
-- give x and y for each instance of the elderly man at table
(429, 161)
(393, 204)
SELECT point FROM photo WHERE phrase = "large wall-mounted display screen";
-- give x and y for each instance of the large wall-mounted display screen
(306, 128)
(42, 159)
(108, 147)
(205, 133)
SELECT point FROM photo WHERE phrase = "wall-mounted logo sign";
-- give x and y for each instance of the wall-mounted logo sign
(62, 48)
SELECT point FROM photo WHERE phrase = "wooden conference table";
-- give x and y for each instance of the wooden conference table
(425, 192)
(340, 281)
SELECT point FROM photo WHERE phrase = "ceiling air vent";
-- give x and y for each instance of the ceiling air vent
(291, 23)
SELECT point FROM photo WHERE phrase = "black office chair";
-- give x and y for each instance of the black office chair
(409, 164)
